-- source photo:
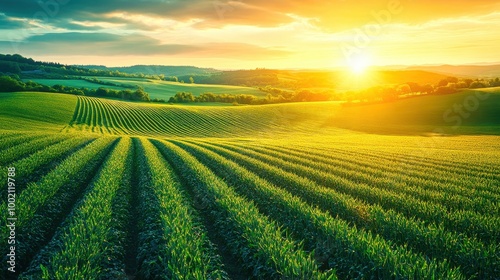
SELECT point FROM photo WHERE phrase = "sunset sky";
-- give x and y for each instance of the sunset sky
(252, 33)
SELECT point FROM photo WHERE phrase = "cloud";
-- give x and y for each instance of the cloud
(297, 32)
(12, 23)
(106, 44)
(95, 44)
(83, 25)
(240, 50)
(331, 15)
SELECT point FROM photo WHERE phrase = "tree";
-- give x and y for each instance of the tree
(428, 88)
(495, 82)
(404, 89)
(8, 84)
(191, 80)
(443, 83)
(445, 90)
(389, 94)
(140, 94)
(415, 87)
(9, 67)
(477, 84)
(182, 97)
(102, 92)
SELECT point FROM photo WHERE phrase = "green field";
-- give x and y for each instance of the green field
(108, 189)
(30, 111)
(71, 83)
(413, 116)
(155, 88)
(467, 112)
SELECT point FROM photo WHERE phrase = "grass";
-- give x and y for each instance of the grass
(272, 191)
(115, 117)
(30, 111)
(156, 89)
(71, 83)
(165, 89)
(427, 114)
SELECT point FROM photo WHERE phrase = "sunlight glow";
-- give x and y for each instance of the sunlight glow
(360, 63)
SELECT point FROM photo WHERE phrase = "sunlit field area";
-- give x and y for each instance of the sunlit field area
(260, 140)
(107, 189)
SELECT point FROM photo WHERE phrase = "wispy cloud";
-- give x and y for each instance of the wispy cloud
(276, 33)
(13, 23)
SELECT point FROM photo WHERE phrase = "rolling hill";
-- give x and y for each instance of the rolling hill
(412, 116)
(38, 111)
(467, 112)
(108, 189)
(469, 71)
(155, 88)
(156, 70)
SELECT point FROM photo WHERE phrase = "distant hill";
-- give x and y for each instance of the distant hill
(487, 71)
(404, 76)
(315, 80)
(15, 64)
(300, 79)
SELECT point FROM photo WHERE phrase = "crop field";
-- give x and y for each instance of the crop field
(116, 117)
(157, 89)
(112, 190)
(71, 83)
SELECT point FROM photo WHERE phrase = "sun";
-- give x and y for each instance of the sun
(359, 64)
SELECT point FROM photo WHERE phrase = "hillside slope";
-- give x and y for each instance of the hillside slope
(36, 110)
(468, 112)
(155, 88)
(448, 115)
(116, 117)
(463, 70)
(462, 113)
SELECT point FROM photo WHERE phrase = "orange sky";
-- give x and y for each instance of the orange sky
(254, 33)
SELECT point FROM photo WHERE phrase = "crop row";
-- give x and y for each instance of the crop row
(352, 253)
(82, 245)
(434, 241)
(11, 139)
(471, 223)
(184, 250)
(278, 211)
(42, 204)
(28, 147)
(426, 190)
(36, 194)
(113, 117)
(441, 165)
(256, 240)
(463, 185)
(32, 166)
(91, 242)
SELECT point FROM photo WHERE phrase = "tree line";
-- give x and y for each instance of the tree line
(15, 64)
(11, 84)
(388, 93)
(300, 96)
